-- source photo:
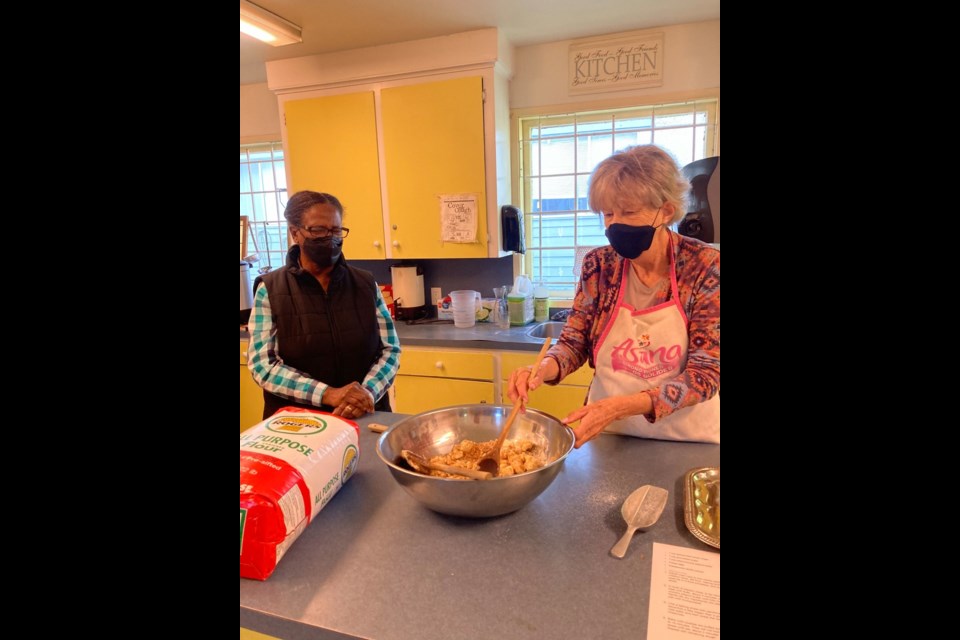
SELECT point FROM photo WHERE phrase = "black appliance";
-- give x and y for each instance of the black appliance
(703, 214)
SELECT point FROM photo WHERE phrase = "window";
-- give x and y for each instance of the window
(558, 153)
(263, 197)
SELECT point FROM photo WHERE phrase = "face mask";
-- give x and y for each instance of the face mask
(630, 241)
(323, 251)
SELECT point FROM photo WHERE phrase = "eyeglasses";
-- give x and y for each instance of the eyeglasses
(326, 232)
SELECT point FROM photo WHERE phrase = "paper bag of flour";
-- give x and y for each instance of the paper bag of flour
(291, 465)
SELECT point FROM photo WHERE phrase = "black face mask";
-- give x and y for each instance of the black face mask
(323, 251)
(630, 241)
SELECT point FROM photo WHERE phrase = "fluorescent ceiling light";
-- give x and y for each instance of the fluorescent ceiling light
(266, 26)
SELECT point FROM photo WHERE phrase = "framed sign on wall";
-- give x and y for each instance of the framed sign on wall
(627, 61)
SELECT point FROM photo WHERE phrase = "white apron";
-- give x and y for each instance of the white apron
(642, 349)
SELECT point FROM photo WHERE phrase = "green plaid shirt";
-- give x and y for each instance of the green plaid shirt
(273, 375)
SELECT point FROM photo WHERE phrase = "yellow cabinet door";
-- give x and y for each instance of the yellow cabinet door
(558, 400)
(433, 145)
(433, 378)
(251, 395)
(439, 363)
(332, 148)
(417, 394)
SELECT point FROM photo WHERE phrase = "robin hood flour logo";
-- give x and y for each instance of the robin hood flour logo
(637, 360)
(301, 425)
(292, 428)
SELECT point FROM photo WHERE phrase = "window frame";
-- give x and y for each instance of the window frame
(523, 264)
(272, 230)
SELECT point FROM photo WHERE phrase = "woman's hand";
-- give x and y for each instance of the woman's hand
(350, 401)
(522, 382)
(597, 416)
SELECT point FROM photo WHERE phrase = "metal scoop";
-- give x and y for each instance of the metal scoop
(641, 509)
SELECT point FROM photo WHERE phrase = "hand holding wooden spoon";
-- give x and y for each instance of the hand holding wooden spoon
(491, 462)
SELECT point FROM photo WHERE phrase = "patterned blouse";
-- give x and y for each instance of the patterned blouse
(698, 284)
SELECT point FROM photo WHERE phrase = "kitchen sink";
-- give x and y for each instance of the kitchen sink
(546, 330)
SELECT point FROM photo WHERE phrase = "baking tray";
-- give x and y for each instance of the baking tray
(701, 504)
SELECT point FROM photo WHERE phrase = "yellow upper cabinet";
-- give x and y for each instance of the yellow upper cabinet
(433, 145)
(429, 142)
(392, 128)
(332, 148)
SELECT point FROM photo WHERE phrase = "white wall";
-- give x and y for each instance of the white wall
(691, 67)
(259, 114)
(691, 63)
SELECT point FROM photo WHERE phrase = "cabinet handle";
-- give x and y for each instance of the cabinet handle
(396, 243)
(439, 364)
(244, 354)
(376, 243)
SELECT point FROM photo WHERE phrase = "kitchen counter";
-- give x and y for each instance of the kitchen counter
(479, 336)
(376, 564)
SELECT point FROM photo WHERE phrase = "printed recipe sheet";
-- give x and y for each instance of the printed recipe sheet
(684, 594)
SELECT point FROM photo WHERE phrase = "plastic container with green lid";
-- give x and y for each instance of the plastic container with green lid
(520, 302)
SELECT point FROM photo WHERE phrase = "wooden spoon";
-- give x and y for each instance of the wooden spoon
(419, 463)
(491, 462)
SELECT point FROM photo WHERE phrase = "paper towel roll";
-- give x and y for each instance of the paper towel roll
(408, 285)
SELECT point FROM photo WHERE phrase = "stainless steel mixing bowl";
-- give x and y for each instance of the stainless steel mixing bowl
(436, 432)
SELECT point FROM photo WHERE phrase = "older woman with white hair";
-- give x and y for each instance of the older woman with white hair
(646, 314)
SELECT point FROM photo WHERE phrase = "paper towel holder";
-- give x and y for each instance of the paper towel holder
(511, 228)
(699, 220)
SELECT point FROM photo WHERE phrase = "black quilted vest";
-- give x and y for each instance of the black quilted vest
(332, 336)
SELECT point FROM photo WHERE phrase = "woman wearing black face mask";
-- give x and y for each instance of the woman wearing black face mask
(646, 313)
(321, 336)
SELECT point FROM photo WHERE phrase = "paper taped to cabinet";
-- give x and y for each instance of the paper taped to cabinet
(458, 217)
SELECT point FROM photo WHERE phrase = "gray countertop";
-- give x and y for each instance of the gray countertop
(376, 564)
(480, 336)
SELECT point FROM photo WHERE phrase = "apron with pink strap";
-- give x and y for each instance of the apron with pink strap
(641, 350)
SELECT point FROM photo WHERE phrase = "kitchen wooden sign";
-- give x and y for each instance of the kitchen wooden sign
(616, 64)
